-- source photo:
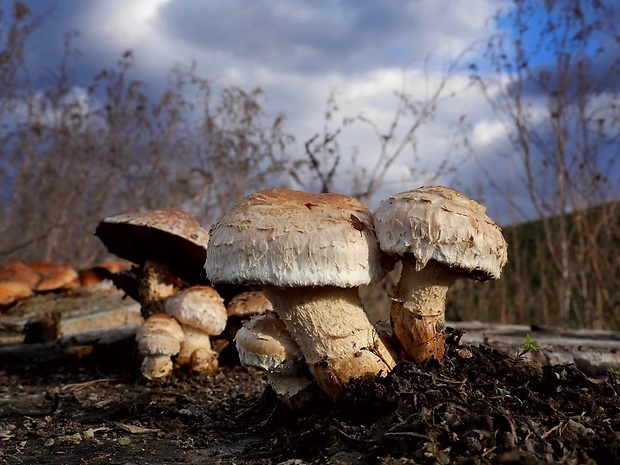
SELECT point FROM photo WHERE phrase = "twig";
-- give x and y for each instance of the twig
(544, 436)
(79, 386)
(409, 433)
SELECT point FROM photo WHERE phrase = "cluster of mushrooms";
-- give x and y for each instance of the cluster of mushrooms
(182, 313)
(309, 253)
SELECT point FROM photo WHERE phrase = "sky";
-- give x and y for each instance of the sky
(298, 52)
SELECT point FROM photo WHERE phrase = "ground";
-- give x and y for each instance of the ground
(480, 406)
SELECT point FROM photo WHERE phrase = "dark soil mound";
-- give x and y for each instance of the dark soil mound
(479, 406)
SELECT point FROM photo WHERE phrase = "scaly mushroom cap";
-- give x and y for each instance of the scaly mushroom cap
(439, 223)
(289, 238)
(248, 304)
(199, 307)
(160, 335)
(265, 343)
(171, 237)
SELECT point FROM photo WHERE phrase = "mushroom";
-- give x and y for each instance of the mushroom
(265, 343)
(440, 235)
(159, 338)
(169, 247)
(16, 283)
(53, 276)
(201, 312)
(244, 306)
(248, 304)
(239, 309)
(309, 252)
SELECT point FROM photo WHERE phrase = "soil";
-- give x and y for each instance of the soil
(479, 406)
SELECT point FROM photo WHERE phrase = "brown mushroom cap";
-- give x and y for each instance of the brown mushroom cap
(16, 282)
(53, 276)
(439, 223)
(249, 303)
(13, 291)
(289, 238)
(19, 272)
(170, 236)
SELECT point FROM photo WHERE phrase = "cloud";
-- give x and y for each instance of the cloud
(298, 52)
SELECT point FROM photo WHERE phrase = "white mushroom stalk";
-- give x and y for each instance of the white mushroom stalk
(336, 348)
(310, 253)
(440, 235)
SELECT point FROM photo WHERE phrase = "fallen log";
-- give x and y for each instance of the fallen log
(49, 317)
(592, 351)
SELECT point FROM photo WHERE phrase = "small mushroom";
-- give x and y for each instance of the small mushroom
(440, 235)
(53, 276)
(168, 246)
(159, 338)
(309, 252)
(201, 312)
(12, 291)
(265, 343)
(239, 309)
(248, 304)
(16, 283)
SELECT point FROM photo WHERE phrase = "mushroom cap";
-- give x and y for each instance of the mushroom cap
(19, 272)
(265, 343)
(53, 276)
(17, 282)
(12, 291)
(249, 303)
(199, 307)
(439, 223)
(171, 237)
(288, 238)
(160, 335)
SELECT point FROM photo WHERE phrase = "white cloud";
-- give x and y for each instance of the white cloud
(299, 51)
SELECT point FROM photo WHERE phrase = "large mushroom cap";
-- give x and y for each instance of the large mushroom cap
(171, 237)
(441, 224)
(289, 238)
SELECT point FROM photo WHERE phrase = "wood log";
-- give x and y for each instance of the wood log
(592, 351)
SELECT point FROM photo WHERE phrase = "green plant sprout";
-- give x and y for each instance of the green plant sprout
(528, 346)
(562, 375)
(502, 391)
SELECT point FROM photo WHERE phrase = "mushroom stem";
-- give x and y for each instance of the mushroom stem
(418, 310)
(156, 284)
(195, 339)
(334, 334)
